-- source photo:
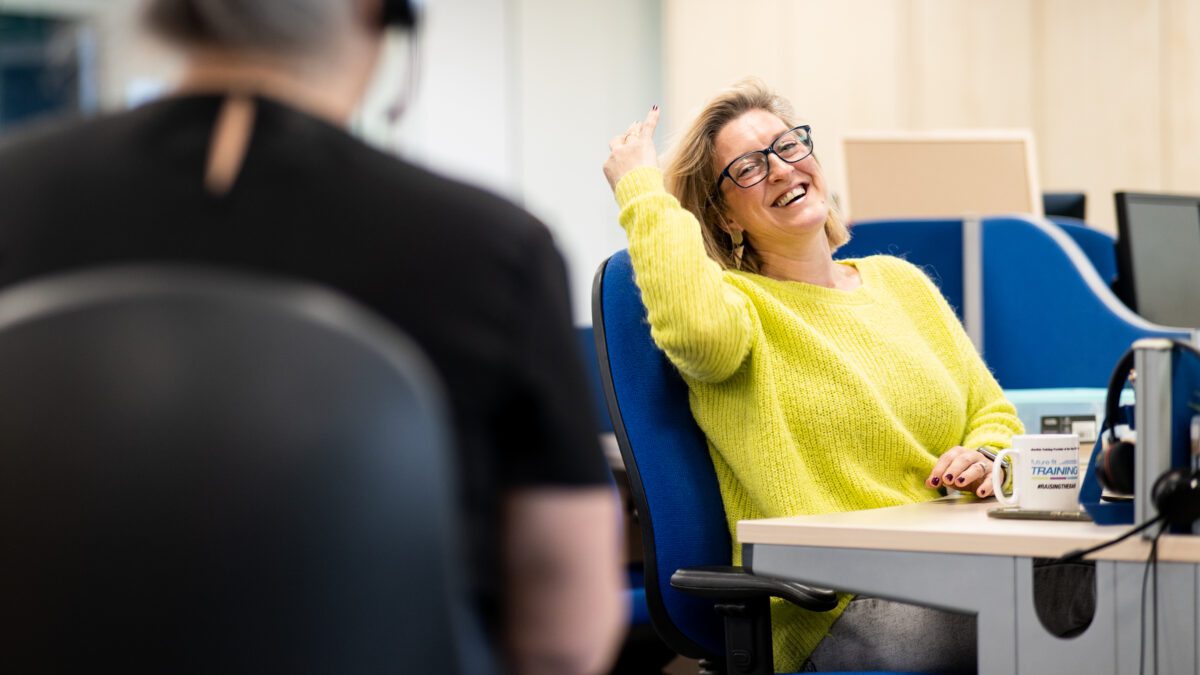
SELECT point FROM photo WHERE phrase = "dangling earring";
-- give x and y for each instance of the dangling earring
(739, 246)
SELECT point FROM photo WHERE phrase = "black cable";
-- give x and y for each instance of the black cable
(412, 78)
(1074, 556)
(1153, 584)
(1151, 563)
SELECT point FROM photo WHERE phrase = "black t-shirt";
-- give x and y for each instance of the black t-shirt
(473, 279)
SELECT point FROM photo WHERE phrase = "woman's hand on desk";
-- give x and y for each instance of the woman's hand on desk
(962, 469)
(632, 149)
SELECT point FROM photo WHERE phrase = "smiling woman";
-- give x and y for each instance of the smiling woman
(821, 386)
(694, 173)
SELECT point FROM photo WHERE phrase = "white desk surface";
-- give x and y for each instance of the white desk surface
(959, 525)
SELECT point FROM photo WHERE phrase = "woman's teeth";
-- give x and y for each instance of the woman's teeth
(791, 195)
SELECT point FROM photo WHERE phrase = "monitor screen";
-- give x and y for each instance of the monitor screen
(1065, 204)
(1158, 257)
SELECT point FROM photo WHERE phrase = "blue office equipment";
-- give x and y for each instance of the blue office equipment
(208, 472)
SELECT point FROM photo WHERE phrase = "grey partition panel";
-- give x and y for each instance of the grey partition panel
(1176, 609)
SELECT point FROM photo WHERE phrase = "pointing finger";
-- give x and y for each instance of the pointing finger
(651, 121)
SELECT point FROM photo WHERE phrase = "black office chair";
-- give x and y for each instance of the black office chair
(211, 473)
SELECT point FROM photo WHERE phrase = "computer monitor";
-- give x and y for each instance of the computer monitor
(940, 174)
(1158, 257)
(1065, 204)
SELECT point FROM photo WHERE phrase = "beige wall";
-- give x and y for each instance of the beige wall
(1110, 88)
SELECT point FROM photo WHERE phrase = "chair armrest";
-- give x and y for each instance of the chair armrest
(727, 582)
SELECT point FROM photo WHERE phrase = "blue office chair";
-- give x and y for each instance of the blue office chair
(1049, 319)
(210, 473)
(701, 606)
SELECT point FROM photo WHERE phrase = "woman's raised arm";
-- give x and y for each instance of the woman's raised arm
(700, 320)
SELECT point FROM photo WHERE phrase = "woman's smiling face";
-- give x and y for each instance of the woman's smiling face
(793, 199)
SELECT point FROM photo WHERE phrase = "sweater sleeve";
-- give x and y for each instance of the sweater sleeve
(702, 322)
(991, 419)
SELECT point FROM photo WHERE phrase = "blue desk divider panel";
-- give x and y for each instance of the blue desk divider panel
(935, 245)
(587, 347)
(1099, 246)
(1048, 319)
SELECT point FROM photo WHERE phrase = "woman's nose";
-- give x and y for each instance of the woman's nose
(777, 169)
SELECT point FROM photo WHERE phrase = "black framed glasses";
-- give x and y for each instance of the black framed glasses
(752, 168)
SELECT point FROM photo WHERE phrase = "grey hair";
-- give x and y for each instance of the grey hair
(258, 25)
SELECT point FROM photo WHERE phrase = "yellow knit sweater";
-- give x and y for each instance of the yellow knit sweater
(813, 400)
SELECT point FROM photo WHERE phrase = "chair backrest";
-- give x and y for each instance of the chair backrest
(934, 244)
(1049, 319)
(671, 475)
(207, 472)
(1099, 246)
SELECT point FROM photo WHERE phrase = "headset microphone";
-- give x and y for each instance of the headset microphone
(405, 15)
(399, 14)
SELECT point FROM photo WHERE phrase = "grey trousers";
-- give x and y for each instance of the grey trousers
(878, 634)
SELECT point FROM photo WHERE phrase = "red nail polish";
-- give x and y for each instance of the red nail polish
(654, 107)
(936, 481)
(949, 477)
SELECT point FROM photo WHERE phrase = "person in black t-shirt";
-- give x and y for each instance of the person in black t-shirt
(248, 166)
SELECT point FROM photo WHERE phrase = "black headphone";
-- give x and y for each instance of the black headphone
(1176, 493)
(1114, 466)
(399, 14)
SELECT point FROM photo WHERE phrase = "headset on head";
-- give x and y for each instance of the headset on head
(1176, 493)
(400, 14)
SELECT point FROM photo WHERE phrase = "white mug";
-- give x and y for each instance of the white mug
(1045, 470)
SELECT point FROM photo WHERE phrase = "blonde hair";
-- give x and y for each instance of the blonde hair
(691, 174)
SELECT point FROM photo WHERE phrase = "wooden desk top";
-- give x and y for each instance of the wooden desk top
(959, 525)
